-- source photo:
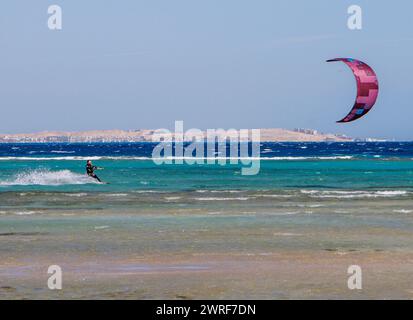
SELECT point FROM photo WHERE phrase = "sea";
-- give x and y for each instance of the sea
(307, 197)
(348, 170)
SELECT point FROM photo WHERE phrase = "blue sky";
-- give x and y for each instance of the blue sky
(212, 63)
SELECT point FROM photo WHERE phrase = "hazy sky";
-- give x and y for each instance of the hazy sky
(212, 63)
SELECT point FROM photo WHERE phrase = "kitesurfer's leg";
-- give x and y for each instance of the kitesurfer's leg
(96, 177)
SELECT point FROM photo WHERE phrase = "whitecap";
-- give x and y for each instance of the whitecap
(60, 151)
(24, 213)
(222, 199)
(287, 234)
(82, 194)
(101, 227)
(403, 211)
(172, 198)
(353, 194)
(274, 195)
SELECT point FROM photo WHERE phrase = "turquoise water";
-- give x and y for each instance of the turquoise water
(308, 200)
(135, 175)
(38, 179)
(47, 177)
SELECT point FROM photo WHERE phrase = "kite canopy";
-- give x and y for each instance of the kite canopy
(367, 88)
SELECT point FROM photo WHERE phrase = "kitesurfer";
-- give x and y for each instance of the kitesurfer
(90, 170)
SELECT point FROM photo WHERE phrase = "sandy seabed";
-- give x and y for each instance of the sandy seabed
(180, 257)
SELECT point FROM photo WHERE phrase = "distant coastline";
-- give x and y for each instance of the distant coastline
(147, 135)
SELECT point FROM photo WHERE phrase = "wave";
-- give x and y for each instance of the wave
(149, 191)
(274, 195)
(220, 191)
(309, 158)
(45, 177)
(60, 151)
(85, 158)
(403, 211)
(81, 194)
(24, 213)
(354, 194)
(287, 234)
(101, 227)
(78, 158)
(222, 199)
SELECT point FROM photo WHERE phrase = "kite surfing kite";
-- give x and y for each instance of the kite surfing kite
(367, 88)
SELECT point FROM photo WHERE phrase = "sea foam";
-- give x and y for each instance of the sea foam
(45, 177)
(354, 194)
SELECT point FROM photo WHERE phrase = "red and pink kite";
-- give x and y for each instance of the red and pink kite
(367, 88)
